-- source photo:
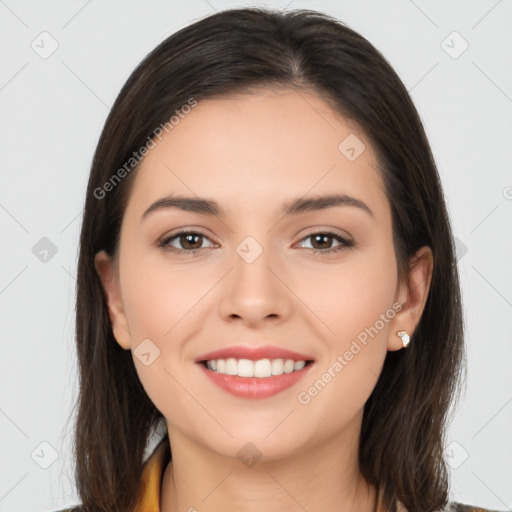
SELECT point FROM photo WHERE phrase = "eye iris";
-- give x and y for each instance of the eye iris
(187, 238)
(321, 237)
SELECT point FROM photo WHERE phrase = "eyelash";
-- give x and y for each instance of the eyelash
(345, 243)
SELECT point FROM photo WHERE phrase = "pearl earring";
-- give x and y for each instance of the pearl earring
(405, 338)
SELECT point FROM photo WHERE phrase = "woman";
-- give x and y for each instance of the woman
(267, 271)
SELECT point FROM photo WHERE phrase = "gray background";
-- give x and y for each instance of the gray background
(53, 109)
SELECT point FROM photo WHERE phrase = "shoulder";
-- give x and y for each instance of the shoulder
(455, 506)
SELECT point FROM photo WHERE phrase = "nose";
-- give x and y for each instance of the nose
(256, 292)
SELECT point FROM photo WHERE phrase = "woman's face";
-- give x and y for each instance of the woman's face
(259, 276)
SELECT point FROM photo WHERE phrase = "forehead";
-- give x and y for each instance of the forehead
(249, 148)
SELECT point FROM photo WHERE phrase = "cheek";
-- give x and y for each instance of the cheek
(164, 304)
(159, 306)
(355, 302)
(159, 297)
(352, 297)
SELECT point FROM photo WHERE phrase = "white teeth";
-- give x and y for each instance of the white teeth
(299, 365)
(231, 366)
(260, 368)
(277, 366)
(245, 368)
(288, 366)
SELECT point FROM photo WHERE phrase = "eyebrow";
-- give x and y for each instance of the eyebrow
(294, 207)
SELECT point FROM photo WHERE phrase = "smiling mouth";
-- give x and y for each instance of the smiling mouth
(261, 368)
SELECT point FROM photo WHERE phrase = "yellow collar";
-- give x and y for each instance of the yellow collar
(151, 481)
(152, 475)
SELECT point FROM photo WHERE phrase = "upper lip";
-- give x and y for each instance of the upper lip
(254, 353)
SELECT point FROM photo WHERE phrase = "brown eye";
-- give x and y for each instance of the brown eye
(323, 242)
(190, 242)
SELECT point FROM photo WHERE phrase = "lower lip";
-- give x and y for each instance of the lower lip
(253, 387)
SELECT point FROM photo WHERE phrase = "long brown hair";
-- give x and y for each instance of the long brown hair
(404, 422)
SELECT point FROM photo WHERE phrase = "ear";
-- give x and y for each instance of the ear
(108, 274)
(412, 295)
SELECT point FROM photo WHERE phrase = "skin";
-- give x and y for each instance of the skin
(251, 153)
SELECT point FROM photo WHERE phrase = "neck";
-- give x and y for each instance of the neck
(321, 478)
